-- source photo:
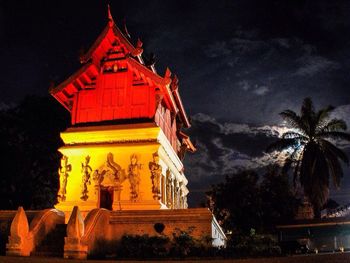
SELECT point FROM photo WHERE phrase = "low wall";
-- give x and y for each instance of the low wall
(196, 221)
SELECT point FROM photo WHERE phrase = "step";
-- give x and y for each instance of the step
(46, 254)
(53, 243)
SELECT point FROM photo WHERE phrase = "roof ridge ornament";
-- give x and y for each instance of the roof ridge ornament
(125, 30)
(110, 18)
(174, 83)
(138, 48)
(167, 76)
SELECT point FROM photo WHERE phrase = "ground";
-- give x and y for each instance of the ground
(325, 258)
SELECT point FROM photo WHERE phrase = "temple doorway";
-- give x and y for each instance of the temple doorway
(106, 197)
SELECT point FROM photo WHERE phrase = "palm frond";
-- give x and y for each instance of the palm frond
(324, 113)
(294, 121)
(335, 135)
(283, 144)
(307, 108)
(333, 125)
(335, 169)
(295, 135)
(322, 117)
(308, 116)
(330, 148)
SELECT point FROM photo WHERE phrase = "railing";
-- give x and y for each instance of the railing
(43, 223)
(23, 238)
(83, 235)
(96, 223)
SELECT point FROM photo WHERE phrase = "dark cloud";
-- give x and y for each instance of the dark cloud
(312, 65)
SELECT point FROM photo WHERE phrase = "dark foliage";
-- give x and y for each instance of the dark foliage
(330, 204)
(243, 202)
(253, 245)
(278, 202)
(181, 245)
(236, 202)
(29, 139)
(143, 246)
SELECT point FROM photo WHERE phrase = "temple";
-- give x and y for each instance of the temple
(121, 171)
(125, 147)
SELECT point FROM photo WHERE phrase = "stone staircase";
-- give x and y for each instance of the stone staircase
(53, 243)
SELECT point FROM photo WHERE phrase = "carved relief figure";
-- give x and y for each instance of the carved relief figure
(86, 171)
(111, 175)
(98, 177)
(63, 171)
(112, 170)
(118, 176)
(169, 182)
(134, 177)
(156, 173)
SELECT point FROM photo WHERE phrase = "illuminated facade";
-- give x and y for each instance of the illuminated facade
(125, 148)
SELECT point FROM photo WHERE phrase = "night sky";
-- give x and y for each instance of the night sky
(240, 63)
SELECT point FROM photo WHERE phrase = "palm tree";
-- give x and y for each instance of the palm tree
(311, 151)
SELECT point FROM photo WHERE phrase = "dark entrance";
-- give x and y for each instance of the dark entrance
(106, 197)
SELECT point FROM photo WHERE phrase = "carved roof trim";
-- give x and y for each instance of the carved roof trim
(74, 76)
(117, 33)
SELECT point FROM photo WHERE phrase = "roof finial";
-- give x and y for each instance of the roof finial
(110, 18)
(126, 32)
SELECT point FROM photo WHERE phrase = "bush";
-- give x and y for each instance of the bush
(150, 247)
(136, 246)
(253, 245)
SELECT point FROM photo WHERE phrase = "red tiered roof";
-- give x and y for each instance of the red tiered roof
(115, 84)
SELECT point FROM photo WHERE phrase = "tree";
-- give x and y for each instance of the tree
(236, 202)
(29, 139)
(248, 201)
(310, 152)
(248, 206)
(278, 202)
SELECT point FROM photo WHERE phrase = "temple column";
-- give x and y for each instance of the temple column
(163, 189)
(175, 194)
(181, 204)
(168, 189)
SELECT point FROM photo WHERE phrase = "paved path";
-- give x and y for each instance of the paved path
(325, 258)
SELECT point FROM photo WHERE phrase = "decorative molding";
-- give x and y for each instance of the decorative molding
(137, 141)
(111, 134)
